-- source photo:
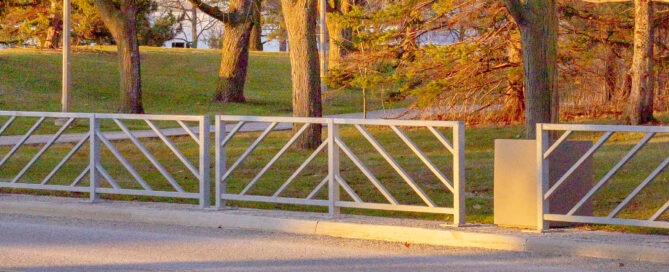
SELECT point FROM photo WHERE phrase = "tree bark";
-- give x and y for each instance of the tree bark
(235, 57)
(340, 37)
(639, 109)
(256, 31)
(538, 24)
(121, 20)
(301, 17)
(235, 51)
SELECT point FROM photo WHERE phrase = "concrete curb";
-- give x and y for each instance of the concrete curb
(543, 244)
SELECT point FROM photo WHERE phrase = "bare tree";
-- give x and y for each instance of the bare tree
(199, 24)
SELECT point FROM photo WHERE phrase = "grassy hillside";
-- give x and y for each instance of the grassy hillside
(175, 81)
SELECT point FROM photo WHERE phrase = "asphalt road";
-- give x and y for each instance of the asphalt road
(52, 244)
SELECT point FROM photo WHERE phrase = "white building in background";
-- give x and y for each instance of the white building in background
(207, 28)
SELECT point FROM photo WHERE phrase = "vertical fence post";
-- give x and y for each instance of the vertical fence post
(220, 161)
(204, 162)
(94, 146)
(542, 176)
(333, 168)
(459, 174)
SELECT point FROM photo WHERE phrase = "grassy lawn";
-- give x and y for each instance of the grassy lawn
(174, 81)
(174, 78)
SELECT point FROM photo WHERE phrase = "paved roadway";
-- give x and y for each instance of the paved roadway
(51, 244)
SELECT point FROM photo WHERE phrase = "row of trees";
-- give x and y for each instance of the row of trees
(39, 23)
(510, 53)
(492, 52)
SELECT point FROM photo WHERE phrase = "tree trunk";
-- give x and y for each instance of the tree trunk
(514, 101)
(235, 51)
(52, 39)
(610, 75)
(121, 21)
(538, 23)
(340, 37)
(283, 45)
(235, 57)
(256, 31)
(300, 16)
(193, 29)
(639, 109)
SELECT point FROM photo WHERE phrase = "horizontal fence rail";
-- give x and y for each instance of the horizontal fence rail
(634, 161)
(315, 176)
(105, 160)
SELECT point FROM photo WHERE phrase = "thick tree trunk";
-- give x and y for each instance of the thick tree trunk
(130, 69)
(256, 32)
(235, 57)
(538, 23)
(121, 21)
(300, 16)
(235, 51)
(639, 109)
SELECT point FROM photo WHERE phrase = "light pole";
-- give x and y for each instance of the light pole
(65, 92)
(65, 98)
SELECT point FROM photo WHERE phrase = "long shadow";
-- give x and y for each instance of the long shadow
(492, 262)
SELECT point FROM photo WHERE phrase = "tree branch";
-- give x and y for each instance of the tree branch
(517, 10)
(225, 17)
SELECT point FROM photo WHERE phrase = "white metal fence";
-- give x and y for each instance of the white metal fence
(101, 155)
(325, 165)
(626, 193)
(134, 155)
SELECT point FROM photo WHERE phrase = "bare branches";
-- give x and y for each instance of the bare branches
(225, 17)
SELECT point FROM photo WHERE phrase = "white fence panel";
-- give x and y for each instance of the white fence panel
(112, 145)
(325, 165)
(637, 161)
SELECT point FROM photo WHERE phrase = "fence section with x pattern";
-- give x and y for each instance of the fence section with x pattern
(21, 164)
(629, 186)
(100, 154)
(360, 164)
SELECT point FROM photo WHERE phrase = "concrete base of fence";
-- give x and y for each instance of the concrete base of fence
(590, 244)
(515, 182)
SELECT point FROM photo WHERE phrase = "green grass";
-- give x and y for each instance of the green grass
(479, 171)
(182, 81)
(174, 81)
